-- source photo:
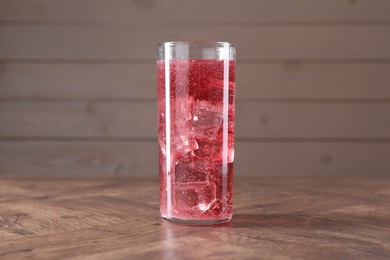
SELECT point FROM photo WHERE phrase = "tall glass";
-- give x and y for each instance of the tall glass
(196, 90)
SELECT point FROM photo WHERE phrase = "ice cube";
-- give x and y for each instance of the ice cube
(213, 150)
(184, 144)
(180, 144)
(206, 119)
(189, 171)
(193, 192)
(194, 198)
(182, 109)
(182, 140)
(185, 199)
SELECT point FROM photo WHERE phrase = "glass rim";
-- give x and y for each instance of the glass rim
(211, 43)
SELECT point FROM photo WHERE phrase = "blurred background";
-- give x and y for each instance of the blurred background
(78, 83)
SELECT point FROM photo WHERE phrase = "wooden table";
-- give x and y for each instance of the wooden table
(110, 218)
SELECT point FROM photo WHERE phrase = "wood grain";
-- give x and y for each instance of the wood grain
(195, 11)
(112, 218)
(289, 79)
(255, 42)
(280, 157)
(139, 119)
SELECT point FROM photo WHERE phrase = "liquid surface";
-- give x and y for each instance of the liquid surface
(196, 139)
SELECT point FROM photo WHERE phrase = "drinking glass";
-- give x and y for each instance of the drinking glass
(196, 93)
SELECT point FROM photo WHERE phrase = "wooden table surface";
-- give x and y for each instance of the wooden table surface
(275, 218)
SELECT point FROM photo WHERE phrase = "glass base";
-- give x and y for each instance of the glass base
(196, 222)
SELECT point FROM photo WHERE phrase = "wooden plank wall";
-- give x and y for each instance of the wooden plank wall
(78, 87)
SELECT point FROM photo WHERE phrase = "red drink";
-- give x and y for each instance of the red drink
(196, 139)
